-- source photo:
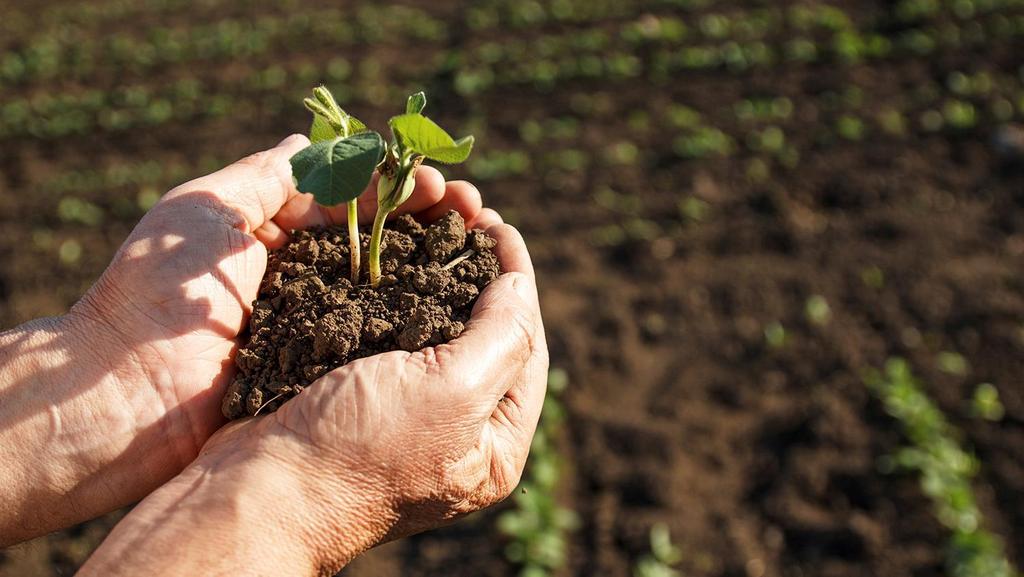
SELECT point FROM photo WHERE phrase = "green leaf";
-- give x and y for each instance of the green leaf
(423, 136)
(337, 170)
(416, 103)
(355, 126)
(332, 116)
(321, 130)
(324, 97)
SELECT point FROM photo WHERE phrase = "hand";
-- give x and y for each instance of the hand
(116, 397)
(385, 446)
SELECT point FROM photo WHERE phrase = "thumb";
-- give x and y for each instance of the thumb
(257, 186)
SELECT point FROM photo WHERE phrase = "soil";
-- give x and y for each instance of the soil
(309, 318)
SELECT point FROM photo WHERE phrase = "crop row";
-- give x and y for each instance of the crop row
(48, 115)
(538, 526)
(76, 57)
(548, 60)
(917, 10)
(735, 42)
(78, 15)
(159, 173)
(946, 470)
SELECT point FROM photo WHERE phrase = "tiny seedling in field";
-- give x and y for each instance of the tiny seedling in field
(946, 470)
(662, 559)
(343, 154)
(985, 404)
(538, 526)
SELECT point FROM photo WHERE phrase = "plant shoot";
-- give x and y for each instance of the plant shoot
(332, 125)
(343, 155)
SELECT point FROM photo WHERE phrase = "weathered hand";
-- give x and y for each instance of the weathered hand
(124, 390)
(380, 448)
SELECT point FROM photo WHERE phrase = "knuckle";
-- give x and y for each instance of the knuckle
(521, 327)
(258, 160)
(508, 479)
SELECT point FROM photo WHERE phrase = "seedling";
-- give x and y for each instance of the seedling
(330, 132)
(946, 470)
(416, 138)
(662, 559)
(817, 310)
(343, 154)
(985, 404)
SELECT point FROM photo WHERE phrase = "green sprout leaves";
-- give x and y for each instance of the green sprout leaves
(340, 161)
(322, 129)
(329, 120)
(662, 559)
(946, 470)
(423, 136)
(337, 170)
(416, 103)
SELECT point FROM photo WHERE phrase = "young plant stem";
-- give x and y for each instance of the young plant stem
(353, 239)
(375, 240)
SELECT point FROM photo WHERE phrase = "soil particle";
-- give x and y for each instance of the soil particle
(309, 319)
(377, 330)
(425, 327)
(337, 332)
(446, 237)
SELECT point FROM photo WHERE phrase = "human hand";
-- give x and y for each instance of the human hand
(126, 388)
(377, 449)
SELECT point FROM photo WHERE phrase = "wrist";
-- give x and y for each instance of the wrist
(333, 510)
(73, 424)
(62, 426)
(250, 499)
(216, 516)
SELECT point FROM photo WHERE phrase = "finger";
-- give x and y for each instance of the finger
(256, 186)
(271, 235)
(516, 415)
(487, 218)
(511, 249)
(496, 344)
(303, 211)
(459, 196)
(430, 189)
(520, 405)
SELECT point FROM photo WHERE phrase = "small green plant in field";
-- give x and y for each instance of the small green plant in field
(946, 471)
(850, 127)
(893, 122)
(953, 363)
(985, 404)
(343, 155)
(693, 209)
(775, 335)
(538, 525)
(662, 559)
(817, 310)
(873, 276)
(959, 115)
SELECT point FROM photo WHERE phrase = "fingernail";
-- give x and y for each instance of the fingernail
(523, 287)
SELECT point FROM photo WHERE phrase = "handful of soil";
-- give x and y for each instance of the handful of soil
(308, 318)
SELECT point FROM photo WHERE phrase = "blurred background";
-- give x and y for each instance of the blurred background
(741, 212)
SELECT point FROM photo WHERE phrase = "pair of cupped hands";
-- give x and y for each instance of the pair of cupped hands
(127, 404)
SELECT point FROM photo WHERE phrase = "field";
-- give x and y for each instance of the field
(737, 209)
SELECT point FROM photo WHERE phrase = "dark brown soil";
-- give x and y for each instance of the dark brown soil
(309, 319)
